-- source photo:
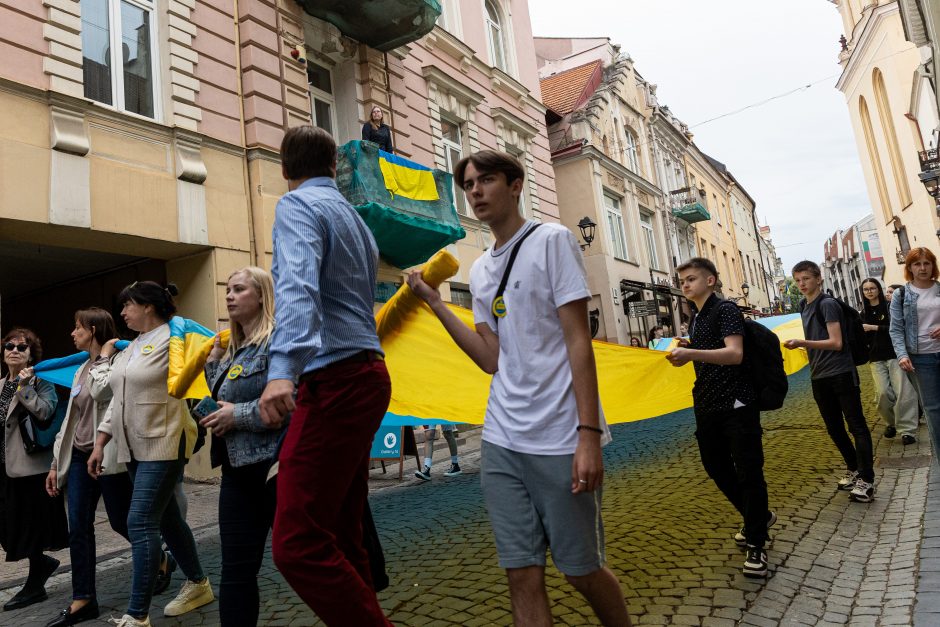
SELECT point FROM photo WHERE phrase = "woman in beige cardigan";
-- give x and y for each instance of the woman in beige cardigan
(74, 443)
(155, 437)
(31, 521)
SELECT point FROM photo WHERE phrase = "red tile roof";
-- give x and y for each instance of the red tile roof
(566, 91)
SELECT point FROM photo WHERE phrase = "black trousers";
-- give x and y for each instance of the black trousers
(840, 402)
(246, 513)
(733, 456)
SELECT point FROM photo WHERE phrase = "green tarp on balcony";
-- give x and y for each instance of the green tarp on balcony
(381, 24)
(687, 205)
(407, 228)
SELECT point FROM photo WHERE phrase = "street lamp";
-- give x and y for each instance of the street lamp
(745, 288)
(930, 174)
(586, 226)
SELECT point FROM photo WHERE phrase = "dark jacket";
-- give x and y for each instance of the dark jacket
(381, 136)
(879, 342)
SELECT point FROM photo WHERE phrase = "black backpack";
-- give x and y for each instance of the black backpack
(852, 332)
(763, 362)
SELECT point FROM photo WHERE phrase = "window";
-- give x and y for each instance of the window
(461, 297)
(646, 223)
(717, 212)
(494, 35)
(874, 156)
(630, 151)
(891, 138)
(117, 35)
(618, 240)
(320, 83)
(524, 203)
(453, 152)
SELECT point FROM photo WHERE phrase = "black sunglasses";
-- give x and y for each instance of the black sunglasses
(20, 347)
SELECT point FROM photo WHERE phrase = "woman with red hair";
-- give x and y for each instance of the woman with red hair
(915, 332)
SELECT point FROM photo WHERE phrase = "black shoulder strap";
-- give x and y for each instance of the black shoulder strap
(512, 259)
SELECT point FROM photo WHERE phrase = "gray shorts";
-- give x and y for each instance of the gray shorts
(531, 508)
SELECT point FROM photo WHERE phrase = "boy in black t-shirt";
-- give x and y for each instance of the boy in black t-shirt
(835, 381)
(727, 420)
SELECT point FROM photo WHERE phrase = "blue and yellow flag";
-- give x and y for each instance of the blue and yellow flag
(189, 341)
(407, 178)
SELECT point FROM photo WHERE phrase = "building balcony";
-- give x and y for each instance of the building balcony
(687, 205)
(381, 24)
(408, 207)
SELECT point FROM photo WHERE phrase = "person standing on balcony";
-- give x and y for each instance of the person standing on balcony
(541, 469)
(325, 347)
(377, 131)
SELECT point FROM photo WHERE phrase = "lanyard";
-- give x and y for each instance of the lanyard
(499, 305)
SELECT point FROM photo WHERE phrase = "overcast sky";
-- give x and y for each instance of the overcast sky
(796, 156)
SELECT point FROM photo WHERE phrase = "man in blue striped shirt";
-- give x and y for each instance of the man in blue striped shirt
(324, 345)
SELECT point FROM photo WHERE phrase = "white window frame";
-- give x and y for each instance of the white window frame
(616, 232)
(450, 17)
(117, 71)
(460, 199)
(325, 97)
(649, 232)
(525, 204)
(500, 38)
(630, 150)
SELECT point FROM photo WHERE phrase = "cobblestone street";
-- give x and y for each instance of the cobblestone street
(669, 538)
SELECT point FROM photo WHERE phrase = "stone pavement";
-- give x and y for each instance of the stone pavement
(668, 538)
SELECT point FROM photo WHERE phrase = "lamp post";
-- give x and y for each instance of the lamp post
(930, 174)
(745, 288)
(586, 226)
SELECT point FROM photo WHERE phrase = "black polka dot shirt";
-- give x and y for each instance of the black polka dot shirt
(718, 387)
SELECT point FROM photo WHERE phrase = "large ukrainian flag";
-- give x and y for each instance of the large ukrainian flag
(407, 178)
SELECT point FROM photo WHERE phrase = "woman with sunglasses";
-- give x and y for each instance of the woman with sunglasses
(155, 437)
(31, 522)
(75, 442)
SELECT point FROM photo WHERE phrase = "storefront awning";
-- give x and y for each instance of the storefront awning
(381, 24)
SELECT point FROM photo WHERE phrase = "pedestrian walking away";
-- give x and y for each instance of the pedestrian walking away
(430, 435)
(325, 347)
(835, 380)
(896, 397)
(541, 467)
(31, 521)
(727, 417)
(243, 445)
(94, 327)
(915, 332)
(155, 435)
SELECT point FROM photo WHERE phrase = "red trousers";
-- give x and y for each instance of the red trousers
(322, 485)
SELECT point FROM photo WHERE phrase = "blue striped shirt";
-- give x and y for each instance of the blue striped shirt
(324, 269)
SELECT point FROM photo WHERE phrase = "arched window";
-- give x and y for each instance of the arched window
(875, 159)
(494, 34)
(891, 138)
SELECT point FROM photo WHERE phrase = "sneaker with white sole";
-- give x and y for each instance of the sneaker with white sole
(847, 482)
(863, 492)
(454, 470)
(741, 540)
(755, 565)
(192, 595)
(424, 475)
(129, 621)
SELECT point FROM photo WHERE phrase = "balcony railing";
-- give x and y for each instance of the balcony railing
(687, 205)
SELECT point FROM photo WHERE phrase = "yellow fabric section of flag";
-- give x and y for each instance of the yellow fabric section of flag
(401, 180)
(186, 377)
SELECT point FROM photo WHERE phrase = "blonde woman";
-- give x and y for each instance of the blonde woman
(242, 444)
(376, 131)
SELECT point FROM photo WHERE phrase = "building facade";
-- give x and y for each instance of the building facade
(887, 85)
(139, 139)
(851, 256)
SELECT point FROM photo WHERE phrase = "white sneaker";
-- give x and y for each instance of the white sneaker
(129, 621)
(847, 482)
(863, 492)
(191, 596)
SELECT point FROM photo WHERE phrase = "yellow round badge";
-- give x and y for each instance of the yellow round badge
(499, 307)
(147, 349)
(234, 371)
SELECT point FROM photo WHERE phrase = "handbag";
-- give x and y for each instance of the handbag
(38, 436)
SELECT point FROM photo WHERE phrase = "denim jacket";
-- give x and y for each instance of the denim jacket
(903, 329)
(250, 441)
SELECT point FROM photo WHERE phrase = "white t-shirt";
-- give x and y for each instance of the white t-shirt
(532, 407)
(928, 318)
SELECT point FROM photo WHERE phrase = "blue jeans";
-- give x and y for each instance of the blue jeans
(153, 511)
(927, 372)
(83, 493)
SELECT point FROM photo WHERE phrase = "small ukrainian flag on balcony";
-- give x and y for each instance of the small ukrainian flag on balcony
(407, 178)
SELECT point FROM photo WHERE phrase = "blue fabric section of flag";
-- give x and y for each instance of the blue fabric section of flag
(405, 163)
(61, 370)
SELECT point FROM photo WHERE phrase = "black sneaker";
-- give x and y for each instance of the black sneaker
(424, 475)
(907, 439)
(453, 471)
(164, 574)
(755, 565)
(741, 540)
(890, 432)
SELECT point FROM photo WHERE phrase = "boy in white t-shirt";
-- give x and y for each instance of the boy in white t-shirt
(541, 469)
